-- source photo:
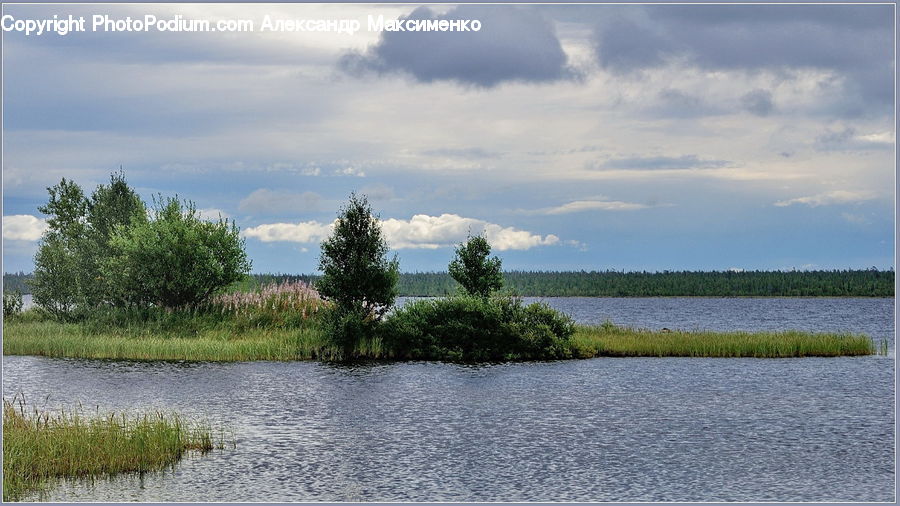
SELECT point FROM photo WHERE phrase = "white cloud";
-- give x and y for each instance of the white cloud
(308, 231)
(23, 227)
(350, 171)
(419, 232)
(829, 198)
(591, 205)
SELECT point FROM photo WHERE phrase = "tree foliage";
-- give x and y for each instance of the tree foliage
(177, 259)
(356, 276)
(56, 284)
(473, 270)
(356, 273)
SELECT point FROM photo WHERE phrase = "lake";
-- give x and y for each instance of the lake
(629, 429)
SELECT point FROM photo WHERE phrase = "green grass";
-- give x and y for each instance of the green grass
(53, 339)
(39, 446)
(611, 341)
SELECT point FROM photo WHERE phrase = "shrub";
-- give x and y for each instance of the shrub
(12, 303)
(175, 260)
(474, 328)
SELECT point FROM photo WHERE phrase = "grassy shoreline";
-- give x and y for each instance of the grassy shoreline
(40, 446)
(72, 340)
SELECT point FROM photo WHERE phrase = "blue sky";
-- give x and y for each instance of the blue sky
(575, 137)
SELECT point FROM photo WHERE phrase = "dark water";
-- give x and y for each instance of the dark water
(592, 430)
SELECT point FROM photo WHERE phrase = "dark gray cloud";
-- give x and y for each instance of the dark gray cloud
(855, 41)
(758, 102)
(514, 44)
(661, 163)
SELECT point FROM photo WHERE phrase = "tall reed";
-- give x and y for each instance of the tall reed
(39, 446)
(611, 341)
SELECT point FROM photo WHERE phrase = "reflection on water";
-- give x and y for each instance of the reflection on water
(637, 429)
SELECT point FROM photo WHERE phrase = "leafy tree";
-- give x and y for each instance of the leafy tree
(110, 207)
(357, 276)
(356, 271)
(176, 259)
(471, 267)
(56, 284)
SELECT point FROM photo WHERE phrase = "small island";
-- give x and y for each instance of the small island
(115, 281)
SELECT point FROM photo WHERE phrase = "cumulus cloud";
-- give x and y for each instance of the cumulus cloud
(660, 162)
(829, 198)
(264, 201)
(419, 232)
(307, 231)
(23, 227)
(590, 205)
(514, 44)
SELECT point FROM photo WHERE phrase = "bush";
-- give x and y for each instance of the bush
(346, 329)
(12, 303)
(474, 328)
(175, 260)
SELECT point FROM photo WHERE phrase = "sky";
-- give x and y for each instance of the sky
(637, 137)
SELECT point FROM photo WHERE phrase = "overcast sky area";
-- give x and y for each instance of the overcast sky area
(651, 137)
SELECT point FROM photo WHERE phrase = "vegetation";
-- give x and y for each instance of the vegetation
(477, 328)
(357, 276)
(609, 340)
(12, 303)
(31, 336)
(41, 446)
(477, 274)
(175, 260)
(837, 283)
(106, 252)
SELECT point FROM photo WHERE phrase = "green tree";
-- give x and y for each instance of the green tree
(473, 270)
(56, 283)
(357, 275)
(177, 259)
(110, 207)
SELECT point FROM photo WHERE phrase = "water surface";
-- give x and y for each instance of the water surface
(635, 429)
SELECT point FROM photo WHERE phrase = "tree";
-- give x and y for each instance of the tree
(110, 207)
(354, 264)
(357, 276)
(56, 284)
(177, 259)
(473, 270)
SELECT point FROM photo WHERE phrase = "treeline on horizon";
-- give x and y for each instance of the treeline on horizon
(820, 283)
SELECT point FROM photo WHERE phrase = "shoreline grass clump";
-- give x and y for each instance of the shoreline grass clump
(39, 446)
(609, 340)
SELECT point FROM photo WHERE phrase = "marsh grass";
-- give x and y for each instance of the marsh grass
(54, 339)
(609, 340)
(24, 336)
(39, 446)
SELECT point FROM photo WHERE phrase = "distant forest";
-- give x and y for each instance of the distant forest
(846, 283)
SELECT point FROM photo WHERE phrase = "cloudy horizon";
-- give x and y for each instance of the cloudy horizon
(639, 137)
